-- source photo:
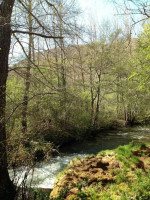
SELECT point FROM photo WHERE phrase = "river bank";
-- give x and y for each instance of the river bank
(73, 135)
(118, 174)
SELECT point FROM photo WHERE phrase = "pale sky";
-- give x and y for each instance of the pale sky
(97, 9)
(100, 10)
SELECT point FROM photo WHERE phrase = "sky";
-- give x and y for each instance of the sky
(97, 9)
(103, 10)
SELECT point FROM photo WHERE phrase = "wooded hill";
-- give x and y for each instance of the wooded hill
(66, 93)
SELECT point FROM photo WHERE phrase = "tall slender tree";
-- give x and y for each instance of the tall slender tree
(27, 78)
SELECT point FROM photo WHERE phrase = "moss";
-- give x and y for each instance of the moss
(89, 156)
(106, 152)
(127, 181)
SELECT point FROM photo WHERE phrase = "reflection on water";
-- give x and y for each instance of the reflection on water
(43, 175)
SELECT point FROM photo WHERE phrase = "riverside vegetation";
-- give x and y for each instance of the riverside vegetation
(106, 87)
(120, 174)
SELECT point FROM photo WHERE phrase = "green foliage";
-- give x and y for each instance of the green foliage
(121, 176)
(90, 193)
(62, 194)
(89, 156)
(106, 152)
(36, 194)
(39, 195)
(126, 156)
(143, 58)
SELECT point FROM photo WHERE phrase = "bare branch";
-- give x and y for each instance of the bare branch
(37, 34)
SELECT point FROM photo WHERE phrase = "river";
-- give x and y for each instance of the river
(44, 174)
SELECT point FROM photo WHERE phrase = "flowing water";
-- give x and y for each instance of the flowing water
(44, 174)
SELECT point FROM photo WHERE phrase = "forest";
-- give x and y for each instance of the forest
(64, 82)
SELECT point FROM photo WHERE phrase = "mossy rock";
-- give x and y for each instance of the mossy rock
(120, 174)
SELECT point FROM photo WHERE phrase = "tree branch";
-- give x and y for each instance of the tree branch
(37, 34)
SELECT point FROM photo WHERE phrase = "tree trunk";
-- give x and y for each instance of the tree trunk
(63, 65)
(92, 97)
(7, 190)
(56, 56)
(98, 101)
(27, 80)
(81, 64)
